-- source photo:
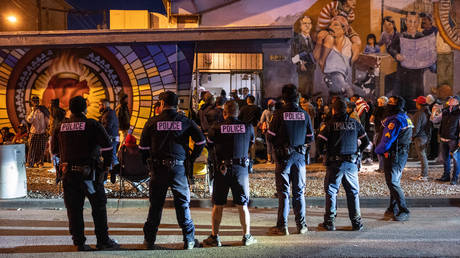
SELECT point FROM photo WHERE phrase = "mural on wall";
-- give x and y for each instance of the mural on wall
(140, 71)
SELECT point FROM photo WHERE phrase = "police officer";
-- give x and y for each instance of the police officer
(289, 131)
(232, 140)
(165, 140)
(78, 142)
(394, 146)
(339, 138)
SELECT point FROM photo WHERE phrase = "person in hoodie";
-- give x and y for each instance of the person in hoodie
(394, 146)
(448, 132)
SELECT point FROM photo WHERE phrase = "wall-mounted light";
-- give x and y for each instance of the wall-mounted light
(12, 19)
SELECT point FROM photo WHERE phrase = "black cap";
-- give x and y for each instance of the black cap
(170, 98)
(289, 93)
(77, 104)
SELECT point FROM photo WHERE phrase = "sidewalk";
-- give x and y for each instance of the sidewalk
(430, 232)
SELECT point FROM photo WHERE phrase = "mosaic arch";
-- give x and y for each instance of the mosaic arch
(140, 71)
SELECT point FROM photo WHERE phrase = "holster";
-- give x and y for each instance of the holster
(86, 172)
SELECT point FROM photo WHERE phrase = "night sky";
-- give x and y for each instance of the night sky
(92, 11)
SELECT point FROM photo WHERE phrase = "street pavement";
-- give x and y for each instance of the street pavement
(429, 232)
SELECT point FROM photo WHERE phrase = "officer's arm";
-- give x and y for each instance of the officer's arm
(103, 141)
(390, 133)
(323, 138)
(144, 144)
(198, 138)
(274, 127)
(309, 138)
(362, 136)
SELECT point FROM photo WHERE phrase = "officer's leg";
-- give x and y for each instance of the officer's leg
(74, 198)
(98, 201)
(388, 170)
(350, 183)
(331, 187)
(181, 193)
(298, 178)
(282, 172)
(158, 187)
(240, 192)
(219, 199)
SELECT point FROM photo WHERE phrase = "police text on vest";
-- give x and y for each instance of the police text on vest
(235, 128)
(169, 126)
(75, 126)
(294, 116)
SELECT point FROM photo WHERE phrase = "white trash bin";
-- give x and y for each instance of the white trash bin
(13, 179)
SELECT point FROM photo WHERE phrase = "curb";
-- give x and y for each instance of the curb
(24, 203)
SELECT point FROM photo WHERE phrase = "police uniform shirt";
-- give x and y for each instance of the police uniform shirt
(341, 135)
(290, 125)
(396, 127)
(167, 135)
(77, 140)
(231, 139)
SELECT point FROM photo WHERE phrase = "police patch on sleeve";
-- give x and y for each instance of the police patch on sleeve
(74, 126)
(169, 126)
(294, 116)
(234, 128)
(391, 126)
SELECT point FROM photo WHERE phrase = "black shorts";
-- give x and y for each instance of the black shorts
(236, 179)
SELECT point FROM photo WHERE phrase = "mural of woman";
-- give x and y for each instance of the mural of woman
(333, 52)
(346, 9)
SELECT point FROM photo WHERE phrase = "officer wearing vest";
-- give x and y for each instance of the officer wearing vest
(289, 131)
(78, 142)
(340, 137)
(232, 140)
(394, 146)
(165, 140)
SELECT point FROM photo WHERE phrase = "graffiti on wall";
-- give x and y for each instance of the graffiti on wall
(142, 72)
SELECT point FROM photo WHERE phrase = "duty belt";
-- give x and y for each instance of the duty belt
(169, 162)
(341, 158)
(244, 162)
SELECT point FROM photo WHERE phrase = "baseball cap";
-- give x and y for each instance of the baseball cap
(420, 100)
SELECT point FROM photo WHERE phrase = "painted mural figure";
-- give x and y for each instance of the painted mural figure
(409, 81)
(302, 55)
(64, 86)
(334, 48)
(344, 8)
(389, 35)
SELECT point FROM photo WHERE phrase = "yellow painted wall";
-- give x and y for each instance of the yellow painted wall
(129, 19)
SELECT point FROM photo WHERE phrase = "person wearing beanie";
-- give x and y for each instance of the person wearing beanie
(165, 147)
(341, 139)
(289, 131)
(394, 146)
(109, 120)
(450, 140)
(79, 142)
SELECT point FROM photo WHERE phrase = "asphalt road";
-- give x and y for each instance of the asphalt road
(430, 232)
